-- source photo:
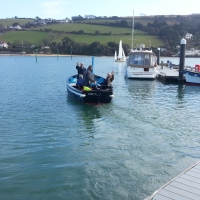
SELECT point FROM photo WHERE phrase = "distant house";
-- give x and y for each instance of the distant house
(163, 49)
(90, 17)
(17, 27)
(45, 47)
(33, 23)
(63, 21)
(188, 36)
(41, 22)
(3, 44)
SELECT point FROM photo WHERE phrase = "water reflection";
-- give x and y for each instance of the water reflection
(141, 88)
(180, 91)
(87, 116)
(189, 89)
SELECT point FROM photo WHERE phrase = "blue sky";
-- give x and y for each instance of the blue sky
(60, 9)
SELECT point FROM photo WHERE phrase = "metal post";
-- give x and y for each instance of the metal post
(132, 30)
(92, 64)
(182, 61)
(158, 56)
(36, 54)
(71, 52)
(57, 53)
(162, 64)
(150, 43)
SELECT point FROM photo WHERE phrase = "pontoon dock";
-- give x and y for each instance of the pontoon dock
(185, 186)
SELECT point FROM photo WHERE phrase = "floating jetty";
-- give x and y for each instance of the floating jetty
(184, 187)
(169, 74)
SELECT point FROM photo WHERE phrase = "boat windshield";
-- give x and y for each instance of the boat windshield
(142, 59)
(136, 59)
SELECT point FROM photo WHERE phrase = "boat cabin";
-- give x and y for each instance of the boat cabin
(142, 59)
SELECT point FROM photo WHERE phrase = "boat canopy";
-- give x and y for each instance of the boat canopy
(142, 59)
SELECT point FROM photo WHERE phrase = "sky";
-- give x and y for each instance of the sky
(61, 9)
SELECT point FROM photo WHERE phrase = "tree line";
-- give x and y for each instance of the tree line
(171, 34)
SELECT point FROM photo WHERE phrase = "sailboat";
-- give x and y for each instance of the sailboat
(121, 55)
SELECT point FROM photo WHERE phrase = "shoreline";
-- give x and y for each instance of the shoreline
(46, 55)
(68, 55)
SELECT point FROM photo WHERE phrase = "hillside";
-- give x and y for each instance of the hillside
(162, 31)
(9, 22)
(83, 33)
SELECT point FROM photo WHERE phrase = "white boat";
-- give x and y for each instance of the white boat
(121, 55)
(192, 76)
(141, 64)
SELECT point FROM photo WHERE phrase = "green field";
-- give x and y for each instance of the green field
(87, 28)
(143, 21)
(10, 21)
(39, 36)
(32, 37)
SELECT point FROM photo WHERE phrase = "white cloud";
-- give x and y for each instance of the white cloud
(53, 9)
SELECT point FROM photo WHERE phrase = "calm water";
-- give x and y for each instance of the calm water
(55, 148)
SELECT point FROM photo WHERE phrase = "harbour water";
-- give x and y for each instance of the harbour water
(53, 147)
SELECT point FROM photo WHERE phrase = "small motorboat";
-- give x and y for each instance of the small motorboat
(96, 94)
(192, 76)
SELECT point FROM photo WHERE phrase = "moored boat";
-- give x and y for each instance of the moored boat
(192, 76)
(141, 64)
(97, 94)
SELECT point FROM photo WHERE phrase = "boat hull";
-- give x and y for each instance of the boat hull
(192, 78)
(100, 94)
(120, 60)
(139, 74)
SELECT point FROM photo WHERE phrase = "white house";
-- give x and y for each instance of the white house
(188, 36)
(3, 44)
(15, 27)
(42, 22)
(90, 16)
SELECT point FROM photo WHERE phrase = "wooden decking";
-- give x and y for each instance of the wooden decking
(185, 186)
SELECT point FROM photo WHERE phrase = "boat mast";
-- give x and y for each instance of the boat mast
(132, 29)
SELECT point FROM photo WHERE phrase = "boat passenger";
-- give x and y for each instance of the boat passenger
(80, 81)
(109, 79)
(88, 77)
(81, 69)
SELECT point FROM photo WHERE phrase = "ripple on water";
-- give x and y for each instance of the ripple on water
(53, 147)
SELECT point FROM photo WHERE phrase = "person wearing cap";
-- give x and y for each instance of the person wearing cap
(89, 78)
(81, 69)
